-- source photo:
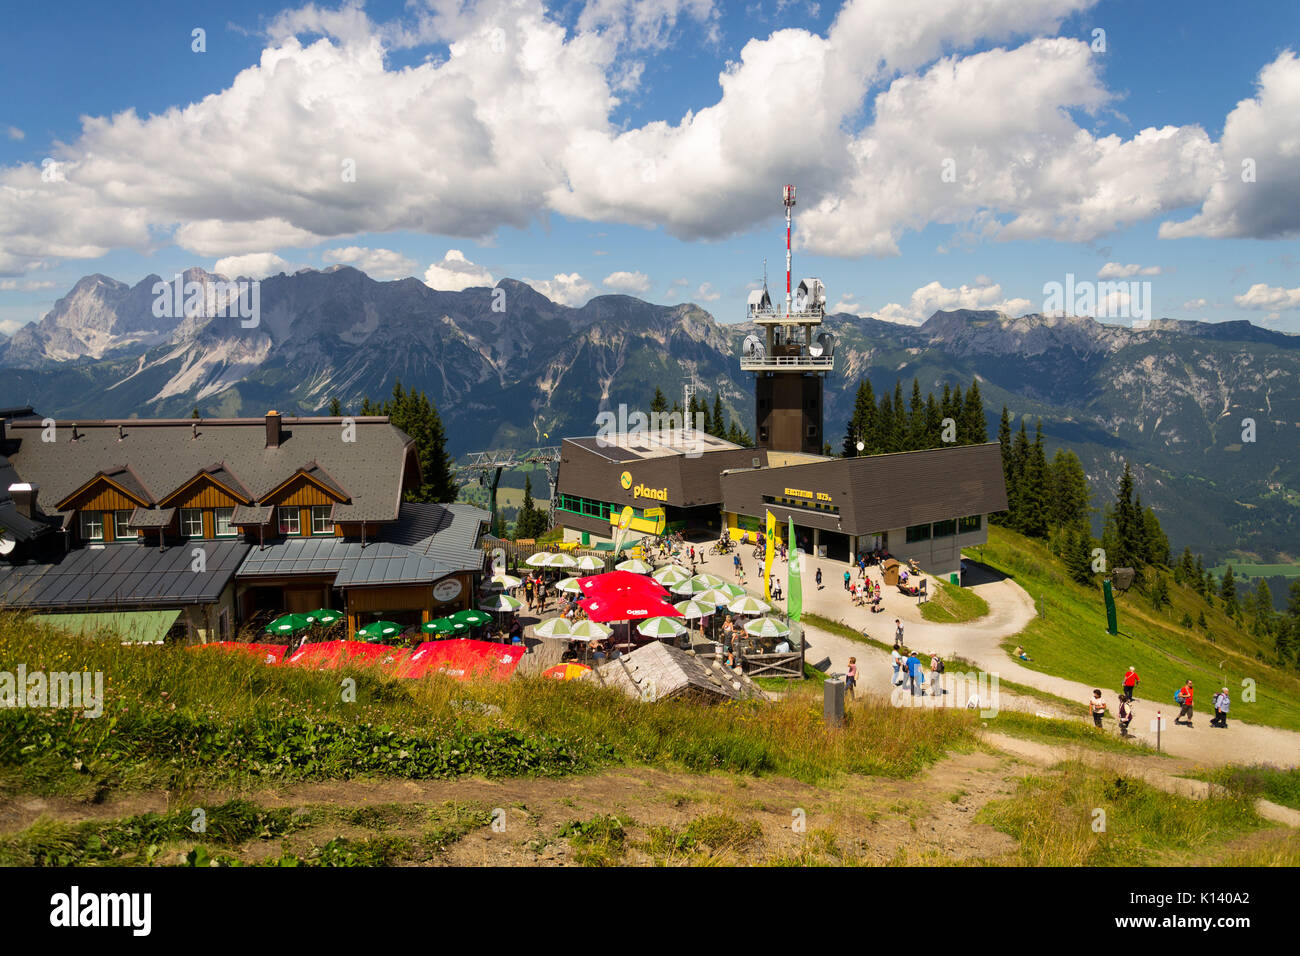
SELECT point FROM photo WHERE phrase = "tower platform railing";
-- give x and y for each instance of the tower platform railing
(782, 362)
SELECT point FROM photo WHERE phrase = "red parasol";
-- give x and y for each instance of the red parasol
(626, 606)
(269, 653)
(330, 655)
(463, 659)
(621, 581)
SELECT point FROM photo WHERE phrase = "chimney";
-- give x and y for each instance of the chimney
(273, 429)
(24, 496)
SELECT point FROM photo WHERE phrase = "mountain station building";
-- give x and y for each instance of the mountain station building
(924, 505)
(205, 524)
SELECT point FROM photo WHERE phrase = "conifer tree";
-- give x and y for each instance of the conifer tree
(972, 429)
(1228, 592)
(418, 417)
(916, 419)
(1034, 497)
(901, 433)
(719, 417)
(1126, 523)
(336, 407)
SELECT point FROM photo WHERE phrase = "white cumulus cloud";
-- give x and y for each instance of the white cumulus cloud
(571, 289)
(455, 273)
(376, 263)
(254, 265)
(1261, 296)
(935, 296)
(631, 283)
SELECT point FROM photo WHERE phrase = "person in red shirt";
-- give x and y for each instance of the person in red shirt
(1130, 683)
(1186, 706)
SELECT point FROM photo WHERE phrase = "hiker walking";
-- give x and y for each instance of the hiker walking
(1221, 702)
(1184, 700)
(819, 579)
(851, 679)
(898, 631)
(936, 668)
(898, 664)
(1125, 715)
(1098, 707)
(1129, 688)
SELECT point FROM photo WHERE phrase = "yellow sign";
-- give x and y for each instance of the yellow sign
(799, 493)
(625, 479)
(653, 512)
(625, 518)
(658, 494)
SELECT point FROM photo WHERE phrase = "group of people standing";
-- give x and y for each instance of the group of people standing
(1184, 697)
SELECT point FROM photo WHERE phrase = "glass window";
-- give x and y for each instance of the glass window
(120, 530)
(221, 518)
(321, 522)
(289, 520)
(192, 522)
(969, 524)
(92, 526)
(945, 529)
(918, 532)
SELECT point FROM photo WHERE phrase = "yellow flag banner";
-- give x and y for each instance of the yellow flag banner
(770, 537)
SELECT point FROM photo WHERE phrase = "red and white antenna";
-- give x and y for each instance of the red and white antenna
(787, 196)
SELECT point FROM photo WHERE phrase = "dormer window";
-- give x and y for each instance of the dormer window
(321, 522)
(192, 522)
(289, 520)
(92, 525)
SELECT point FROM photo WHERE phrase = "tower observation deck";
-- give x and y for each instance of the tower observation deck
(790, 359)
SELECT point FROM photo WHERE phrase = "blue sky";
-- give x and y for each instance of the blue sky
(512, 153)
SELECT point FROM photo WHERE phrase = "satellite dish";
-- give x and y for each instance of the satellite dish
(825, 344)
(7, 544)
(815, 350)
(753, 347)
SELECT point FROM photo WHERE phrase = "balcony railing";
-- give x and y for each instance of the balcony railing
(786, 361)
(778, 317)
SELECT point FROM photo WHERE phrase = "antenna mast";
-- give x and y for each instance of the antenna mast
(788, 198)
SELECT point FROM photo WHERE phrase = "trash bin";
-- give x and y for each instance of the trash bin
(833, 701)
(955, 578)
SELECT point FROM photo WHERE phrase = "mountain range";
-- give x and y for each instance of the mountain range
(508, 367)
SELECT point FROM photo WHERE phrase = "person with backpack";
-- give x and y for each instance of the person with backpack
(1221, 702)
(1183, 698)
(1098, 707)
(936, 668)
(1125, 715)
(1129, 687)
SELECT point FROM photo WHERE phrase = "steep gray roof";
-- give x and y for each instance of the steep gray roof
(164, 455)
(449, 534)
(379, 562)
(123, 575)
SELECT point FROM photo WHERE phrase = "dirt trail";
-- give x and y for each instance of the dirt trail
(859, 819)
(1010, 611)
(1162, 775)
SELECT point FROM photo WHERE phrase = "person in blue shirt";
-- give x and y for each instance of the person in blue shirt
(913, 670)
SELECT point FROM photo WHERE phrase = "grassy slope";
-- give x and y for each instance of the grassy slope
(950, 605)
(176, 717)
(1069, 639)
